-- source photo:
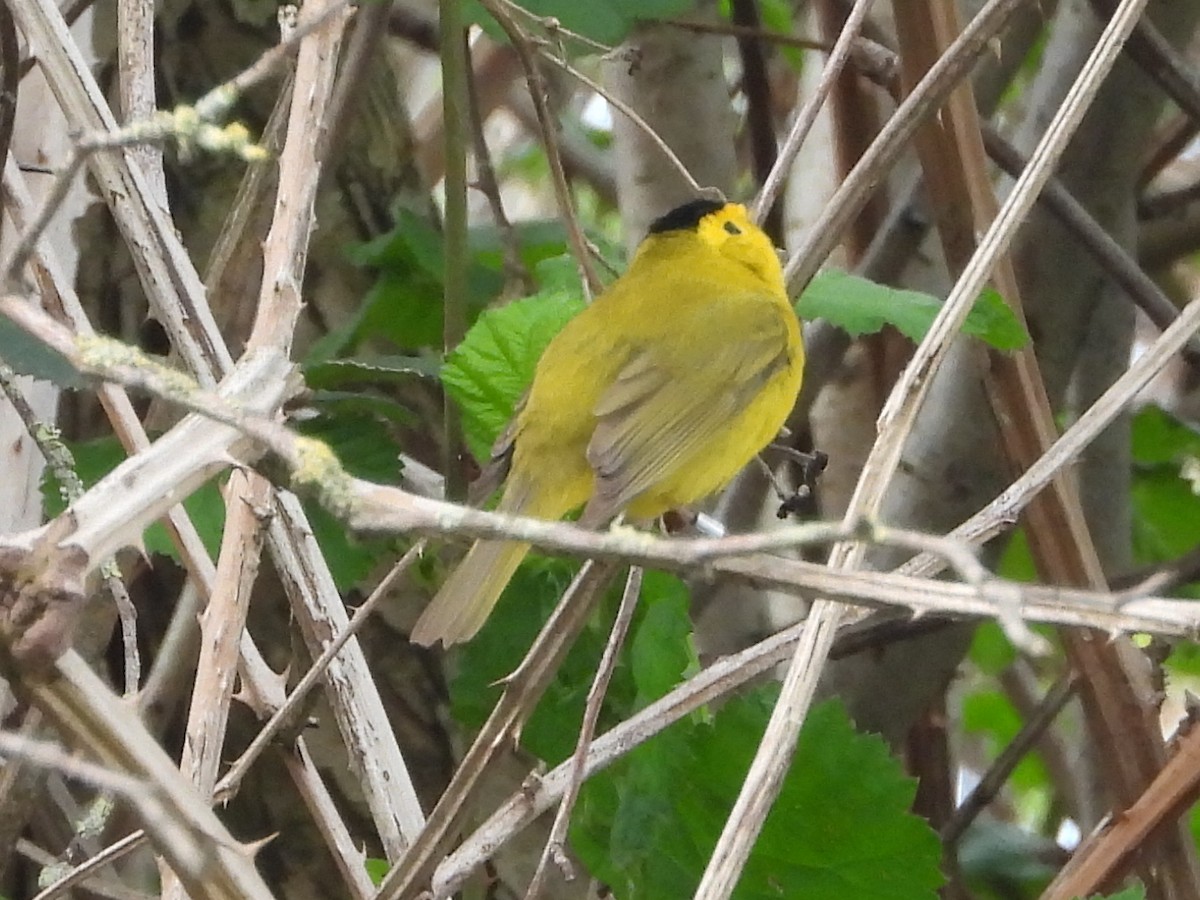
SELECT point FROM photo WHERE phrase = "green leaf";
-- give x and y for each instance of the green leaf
(1166, 490)
(538, 239)
(606, 21)
(662, 651)
(1184, 661)
(489, 371)
(779, 16)
(1166, 507)
(364, 442)
(1136, 892)
(660, 626)
(498, 648)
(1000, 859)
(377, 869)
(405, 307)
(861, 306)
(993, 321)
(405, 303)
(342, 404)
(351, 557)
(991, 714)
(639, 832)
(413, 243)
(558, 276)
(1166, 515)
(1160, 438)
(26, 355)
(1016, 562)
(991, 650)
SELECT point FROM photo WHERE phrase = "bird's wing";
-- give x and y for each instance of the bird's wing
(647, 426)
(493, 473)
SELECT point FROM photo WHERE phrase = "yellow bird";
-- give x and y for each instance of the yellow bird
(652, 398)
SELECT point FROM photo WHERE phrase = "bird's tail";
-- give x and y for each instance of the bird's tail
(468, 596)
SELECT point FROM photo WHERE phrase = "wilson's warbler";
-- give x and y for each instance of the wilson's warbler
(650, 399)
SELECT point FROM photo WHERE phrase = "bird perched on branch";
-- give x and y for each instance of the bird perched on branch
(652, 398)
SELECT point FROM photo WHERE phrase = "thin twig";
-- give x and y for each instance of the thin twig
(1165, 146)
(807, 115)
(856, 189)
(62, 463)
(330, 821)
(868, 58)
(135, 78)
(282, 718)
(10, 78)
(456, 256)
(70, 13)
(557, 839)
(760, 120)
(554, 28)
(50, 756)
(1074, 785)
(522, 690)
(221, 626)
(14, 261)
(1168, 203)
(127, 616)
(218, 100)
(82, 872)
(539, 93)
(1159, 579)
(765, 777)
(1109, 254)
(1160, 61)
(176, 657)
(515, 271)
(631, 114)
(749, 32)
(353, 78)
(982, 794)
(1120, 838)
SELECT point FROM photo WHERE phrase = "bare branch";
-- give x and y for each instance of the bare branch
(554, 850)
(924, 100)
(807, 115)
(539, 92)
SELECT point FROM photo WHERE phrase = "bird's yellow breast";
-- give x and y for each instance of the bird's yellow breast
(710, 326)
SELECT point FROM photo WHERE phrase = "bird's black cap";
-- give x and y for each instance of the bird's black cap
(684, 217)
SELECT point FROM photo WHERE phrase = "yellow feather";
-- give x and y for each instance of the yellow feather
(653, 397)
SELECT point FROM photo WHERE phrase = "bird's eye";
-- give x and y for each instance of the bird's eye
(732, 229)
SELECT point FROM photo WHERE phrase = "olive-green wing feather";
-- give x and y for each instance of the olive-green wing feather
(492, 475)
(646, 427)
